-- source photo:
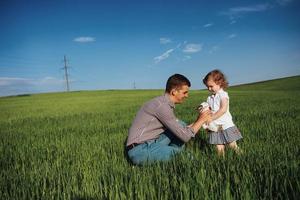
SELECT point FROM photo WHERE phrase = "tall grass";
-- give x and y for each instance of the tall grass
(71, 146)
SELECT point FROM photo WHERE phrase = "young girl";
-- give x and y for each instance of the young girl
(227, 133)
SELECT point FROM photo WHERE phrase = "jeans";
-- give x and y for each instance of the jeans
(160, 149)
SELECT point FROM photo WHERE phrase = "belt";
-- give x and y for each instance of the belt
(131, 146)
(219, 129)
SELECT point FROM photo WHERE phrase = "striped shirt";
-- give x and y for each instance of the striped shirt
(154, 117)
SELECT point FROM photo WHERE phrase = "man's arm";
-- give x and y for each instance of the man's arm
(166, 116)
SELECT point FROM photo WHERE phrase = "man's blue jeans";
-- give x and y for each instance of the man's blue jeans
(160, 149)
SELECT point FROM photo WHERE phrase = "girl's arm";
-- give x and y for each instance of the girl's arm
(222, 110)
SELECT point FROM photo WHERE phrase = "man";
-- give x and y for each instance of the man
(156, 134)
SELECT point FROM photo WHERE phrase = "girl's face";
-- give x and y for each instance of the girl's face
(212, 86)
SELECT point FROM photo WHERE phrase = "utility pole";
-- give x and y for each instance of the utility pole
(66, 73)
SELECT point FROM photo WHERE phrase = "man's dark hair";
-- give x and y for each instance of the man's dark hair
(177, 81)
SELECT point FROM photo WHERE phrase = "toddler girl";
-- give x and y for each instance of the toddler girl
(226, 133)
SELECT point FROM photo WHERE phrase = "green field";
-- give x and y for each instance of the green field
(70, 146)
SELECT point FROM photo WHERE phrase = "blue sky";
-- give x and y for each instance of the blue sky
(119, 44)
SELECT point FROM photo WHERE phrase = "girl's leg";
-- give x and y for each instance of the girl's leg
(220, 149)
(233, 145)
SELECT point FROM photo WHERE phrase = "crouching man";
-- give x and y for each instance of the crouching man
(156, 134)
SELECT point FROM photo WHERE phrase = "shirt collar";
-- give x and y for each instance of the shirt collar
(220, 90)
(171, 104)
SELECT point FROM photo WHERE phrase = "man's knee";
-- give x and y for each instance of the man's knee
(164, 153)
(137, 157)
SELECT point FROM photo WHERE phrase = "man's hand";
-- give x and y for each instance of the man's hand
(209, 120)
(202, 118)
(205, 116)
(190, 125)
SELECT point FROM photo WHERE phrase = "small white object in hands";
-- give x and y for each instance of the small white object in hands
(211, 126)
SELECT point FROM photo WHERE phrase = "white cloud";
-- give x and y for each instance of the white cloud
(247, 9)
(214, 49)
(192, 48)
(283, 2)
(164, 56)
(232, 21)
(84, 39)
(208, 25)
(16, 85)
(165, 40)
(186, 57)
(6, 81)
(232, 36)
(234, 12)
(50, 81)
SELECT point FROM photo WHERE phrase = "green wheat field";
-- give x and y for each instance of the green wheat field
(71, 146)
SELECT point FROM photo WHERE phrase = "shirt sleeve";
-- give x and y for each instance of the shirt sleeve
(166, 116)
(224, 94)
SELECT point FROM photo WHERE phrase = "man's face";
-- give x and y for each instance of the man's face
(180, 94)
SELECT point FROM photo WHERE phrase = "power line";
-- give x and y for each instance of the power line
(66, 74)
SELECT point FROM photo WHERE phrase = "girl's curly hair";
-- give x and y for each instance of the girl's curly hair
(218, 77)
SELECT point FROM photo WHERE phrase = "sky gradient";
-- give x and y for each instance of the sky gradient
(126, 44)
